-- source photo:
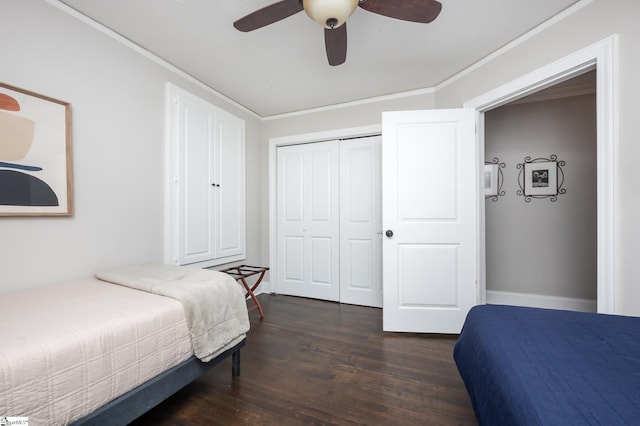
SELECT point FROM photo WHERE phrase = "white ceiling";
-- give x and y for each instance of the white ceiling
(283, 67)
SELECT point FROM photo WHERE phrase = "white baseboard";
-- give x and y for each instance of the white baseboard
(541, 301)
(516, 299)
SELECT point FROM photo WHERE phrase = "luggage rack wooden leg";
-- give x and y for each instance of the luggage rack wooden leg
(241, 273)
(250, 293)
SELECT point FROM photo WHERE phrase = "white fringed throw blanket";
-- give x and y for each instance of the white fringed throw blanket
(213, 302)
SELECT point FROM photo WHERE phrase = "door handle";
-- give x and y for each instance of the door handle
(389, 233)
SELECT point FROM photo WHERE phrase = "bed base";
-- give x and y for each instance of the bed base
(138, 401)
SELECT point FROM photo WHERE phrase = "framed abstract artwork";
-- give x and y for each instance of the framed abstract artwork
(35, 154)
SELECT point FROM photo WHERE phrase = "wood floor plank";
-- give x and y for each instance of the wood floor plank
(317, 362)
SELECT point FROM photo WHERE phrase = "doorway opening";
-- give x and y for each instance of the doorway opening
(541, 241)
(601, 57)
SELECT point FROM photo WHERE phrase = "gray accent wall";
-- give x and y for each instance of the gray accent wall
(543, 247)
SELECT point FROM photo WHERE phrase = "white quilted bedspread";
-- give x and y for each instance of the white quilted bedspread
(213, 302)
(67, 349)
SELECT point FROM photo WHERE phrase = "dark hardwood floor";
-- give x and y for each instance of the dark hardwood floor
(316, 362)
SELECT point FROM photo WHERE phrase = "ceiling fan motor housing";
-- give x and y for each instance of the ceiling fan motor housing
(329, 13)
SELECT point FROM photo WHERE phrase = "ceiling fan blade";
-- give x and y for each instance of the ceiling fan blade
(268, 15)
(423, 11)
(335, 42)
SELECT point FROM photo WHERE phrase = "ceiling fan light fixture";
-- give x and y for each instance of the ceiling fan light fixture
(329, 13)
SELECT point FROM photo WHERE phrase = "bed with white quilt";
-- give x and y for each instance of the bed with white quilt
(104, 350)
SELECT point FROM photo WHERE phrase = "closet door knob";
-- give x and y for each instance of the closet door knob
(389, 233)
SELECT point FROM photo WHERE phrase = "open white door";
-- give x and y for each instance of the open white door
(429, 212)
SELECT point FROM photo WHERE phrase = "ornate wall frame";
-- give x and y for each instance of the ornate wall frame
(493, 179)
(541, 178)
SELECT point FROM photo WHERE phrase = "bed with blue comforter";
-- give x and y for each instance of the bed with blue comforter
(530, 366)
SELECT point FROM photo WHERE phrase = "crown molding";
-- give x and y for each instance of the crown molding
(147, 54)
(400, 95)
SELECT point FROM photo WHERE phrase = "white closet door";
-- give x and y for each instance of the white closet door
(196, 152)
(308, 220)
(360, 222)
(205, 182)
(230, 191)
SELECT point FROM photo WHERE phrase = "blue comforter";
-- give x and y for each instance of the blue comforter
(528, 366)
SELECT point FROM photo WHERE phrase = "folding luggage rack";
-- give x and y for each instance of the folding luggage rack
(241, 273)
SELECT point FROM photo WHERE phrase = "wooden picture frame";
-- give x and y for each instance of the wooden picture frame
(35, 154)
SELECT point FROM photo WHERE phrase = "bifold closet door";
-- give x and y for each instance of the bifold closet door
(361, 221)
(307, 221)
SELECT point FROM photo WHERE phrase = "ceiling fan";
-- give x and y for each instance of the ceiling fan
(332, 15)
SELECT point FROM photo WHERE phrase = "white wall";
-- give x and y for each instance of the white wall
(117, 99)
(542, 247)
(117, 102)
(597, 20)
